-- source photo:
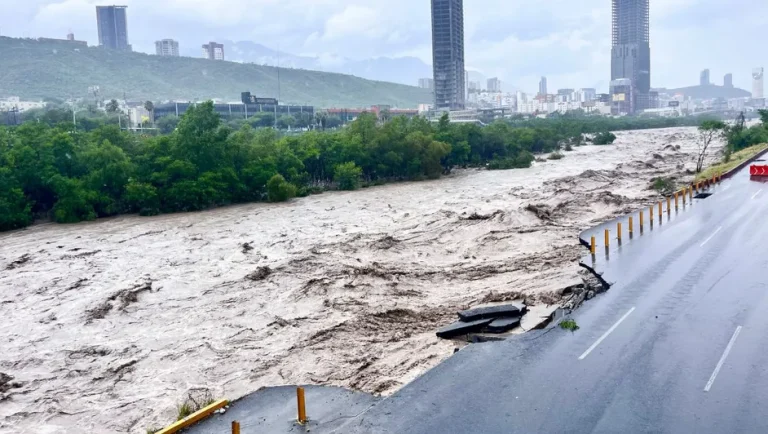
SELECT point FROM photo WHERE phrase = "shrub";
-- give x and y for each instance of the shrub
(280, 190)
(556, 156)
(604, 138)
(347, 176)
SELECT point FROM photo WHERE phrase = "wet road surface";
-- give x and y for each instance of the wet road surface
(678, 345)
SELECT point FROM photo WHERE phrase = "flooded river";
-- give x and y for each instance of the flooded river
(108, 324)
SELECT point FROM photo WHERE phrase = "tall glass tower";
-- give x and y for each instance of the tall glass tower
(631, 51)
(448, 53)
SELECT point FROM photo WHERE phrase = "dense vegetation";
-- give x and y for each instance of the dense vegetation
(36, 69)
(49, 170)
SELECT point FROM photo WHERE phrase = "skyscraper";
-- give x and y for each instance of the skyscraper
(757, 83)
(631, 50)
(494, 85)
(167, 47)
(112, 22)
(543, 86)
(213, 51)
(728, 80)
(704, 78)
(448, 53)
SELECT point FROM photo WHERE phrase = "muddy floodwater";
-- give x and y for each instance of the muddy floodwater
(106, 326)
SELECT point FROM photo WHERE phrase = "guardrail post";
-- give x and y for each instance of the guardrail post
(235, 427)
(677, 203)
(618, 230)
(650, 215)
(690, 190)
(642, 217)
(631, 226)
(607, 238)
(592, 246)
(302, 416)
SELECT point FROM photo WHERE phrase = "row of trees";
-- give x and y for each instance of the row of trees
(47, 169)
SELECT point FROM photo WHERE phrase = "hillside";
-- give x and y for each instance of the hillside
(34, 69)
(710, 91)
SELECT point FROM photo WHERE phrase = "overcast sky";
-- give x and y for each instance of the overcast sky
(517, 40)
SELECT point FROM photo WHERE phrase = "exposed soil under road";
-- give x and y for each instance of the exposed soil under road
(109, 324)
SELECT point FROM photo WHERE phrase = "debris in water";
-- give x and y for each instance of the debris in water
(261, 273)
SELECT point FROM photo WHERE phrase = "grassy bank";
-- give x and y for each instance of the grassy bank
(736, 159)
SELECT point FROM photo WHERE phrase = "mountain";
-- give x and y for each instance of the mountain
(404, 70)
(710, 91)
(35, 69)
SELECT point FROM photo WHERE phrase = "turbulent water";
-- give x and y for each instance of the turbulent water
(109, 324)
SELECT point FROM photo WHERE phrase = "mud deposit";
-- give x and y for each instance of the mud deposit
(110, 324)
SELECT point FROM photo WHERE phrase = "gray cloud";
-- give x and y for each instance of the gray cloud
(518, 40)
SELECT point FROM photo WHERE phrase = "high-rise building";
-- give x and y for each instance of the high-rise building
(757, 83)
(494, 85)
(167, 47)
(112, 22)
(728, 80)
(213, 51)
(448, 53)
(631, 50)
(426, 83)
(704, 78)
(543, 86)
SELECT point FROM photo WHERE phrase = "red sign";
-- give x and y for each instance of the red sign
(758, 170)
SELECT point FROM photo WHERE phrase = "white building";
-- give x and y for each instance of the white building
(167, 47)
(15, 103)
(757, 83)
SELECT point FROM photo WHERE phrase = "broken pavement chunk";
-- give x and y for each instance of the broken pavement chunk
(501, 325)
(492, 312)
(462, 328)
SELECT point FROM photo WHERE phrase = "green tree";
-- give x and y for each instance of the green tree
(604, 138)
(347, 175)
(280, 190)
(113, 106)
(709, 131)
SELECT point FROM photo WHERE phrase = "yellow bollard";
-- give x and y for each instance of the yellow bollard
(607, 238)
(669, 205)
(677, 203)
(618, 230)
(592, 246)
(650, 214)
(631, 226)
(660, 213)
(235, 427)
(302, 417)
(642, 216)
(690, 190)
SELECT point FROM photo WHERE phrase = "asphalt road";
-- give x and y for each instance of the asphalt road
(678, 345)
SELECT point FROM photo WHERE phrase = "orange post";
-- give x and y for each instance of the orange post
(302, 417)
(677, 203)
(607, 238)
(669, 205)
(592, 246)
(631, 226)
(650, 214)
(235, 427)
(660, 213)
(690, 190)
(642, 216)
(618, 230)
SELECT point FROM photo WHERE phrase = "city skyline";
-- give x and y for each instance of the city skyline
(503, 38)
